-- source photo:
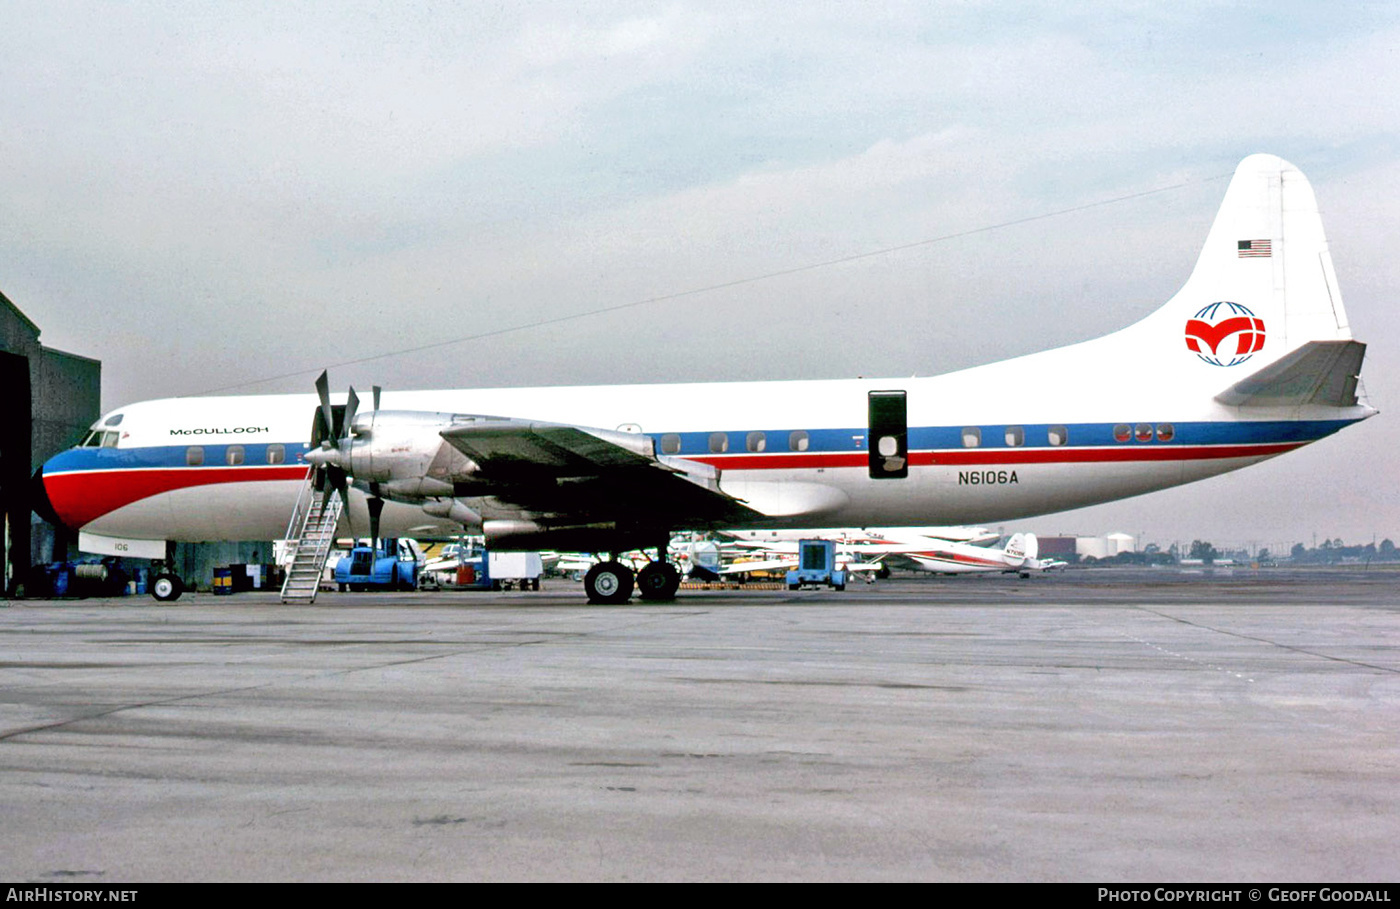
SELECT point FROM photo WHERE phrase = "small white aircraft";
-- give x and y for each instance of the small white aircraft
(1019, 556)
(871, 536)
(1252, 358)
(784, 556)
(877, 551)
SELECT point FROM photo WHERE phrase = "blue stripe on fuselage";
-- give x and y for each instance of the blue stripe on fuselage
(928, 438)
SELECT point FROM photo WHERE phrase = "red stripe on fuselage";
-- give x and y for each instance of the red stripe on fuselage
(79, 497)
(82, 496)
(957, 559)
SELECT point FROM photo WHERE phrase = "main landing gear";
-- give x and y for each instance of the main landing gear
(659, 581)
(609, 583)
(612, 583)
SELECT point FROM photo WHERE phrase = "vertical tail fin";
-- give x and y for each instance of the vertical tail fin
(1262, 289)
(1264, 284)
(1021, 548)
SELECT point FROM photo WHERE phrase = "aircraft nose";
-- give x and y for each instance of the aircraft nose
(64, 494)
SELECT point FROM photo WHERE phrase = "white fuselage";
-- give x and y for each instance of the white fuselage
(145, 487)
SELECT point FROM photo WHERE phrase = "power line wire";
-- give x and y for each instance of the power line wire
(709, 288)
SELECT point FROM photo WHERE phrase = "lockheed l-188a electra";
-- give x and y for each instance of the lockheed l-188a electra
(1252, 358)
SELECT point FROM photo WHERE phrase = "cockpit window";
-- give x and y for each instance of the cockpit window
(92, 440)
(114, 420)
(109, 439)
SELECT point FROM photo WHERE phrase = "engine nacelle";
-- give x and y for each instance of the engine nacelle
(454, 510)
(404, 452)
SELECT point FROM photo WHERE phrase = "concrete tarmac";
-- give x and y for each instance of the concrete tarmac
(1103, 726)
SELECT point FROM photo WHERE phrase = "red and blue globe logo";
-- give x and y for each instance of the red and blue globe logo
(1225, 334)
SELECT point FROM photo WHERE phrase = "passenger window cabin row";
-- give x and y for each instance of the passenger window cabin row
(1015, 436)
(1144, 432)
(755, 442)
(235, 455)
(972, 437)
(718, 442)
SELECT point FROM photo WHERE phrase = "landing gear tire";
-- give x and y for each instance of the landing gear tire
(659, 581)
(166, 588)
(609, 583)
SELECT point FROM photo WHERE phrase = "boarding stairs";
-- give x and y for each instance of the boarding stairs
(313, 524)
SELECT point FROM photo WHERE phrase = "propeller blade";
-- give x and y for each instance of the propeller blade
(352, 404)
(323, 391)
(377, 390)
(376, 505)
(336, 479)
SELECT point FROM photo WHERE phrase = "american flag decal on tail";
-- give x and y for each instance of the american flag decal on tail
(1256, 249)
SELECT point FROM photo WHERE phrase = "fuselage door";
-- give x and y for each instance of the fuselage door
(889, 435)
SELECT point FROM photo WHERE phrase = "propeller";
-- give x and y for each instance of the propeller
(328, 454)
(331, 443)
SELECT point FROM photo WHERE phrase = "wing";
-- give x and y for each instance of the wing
(588, 474)
(764, 565)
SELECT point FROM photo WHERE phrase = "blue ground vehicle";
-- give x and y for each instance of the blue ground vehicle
(390, 564)
(816, 565)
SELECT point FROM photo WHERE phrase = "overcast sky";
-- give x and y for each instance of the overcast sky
(214, 195)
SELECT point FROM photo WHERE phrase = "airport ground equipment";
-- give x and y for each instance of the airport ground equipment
(520, 570)
(459, 566)
(816, 566)
(387, 564)
(472, 568)
(313, 542)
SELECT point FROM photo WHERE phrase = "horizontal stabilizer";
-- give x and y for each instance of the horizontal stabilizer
(1319, 372)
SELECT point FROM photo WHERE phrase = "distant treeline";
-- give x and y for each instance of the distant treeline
(1329, 552)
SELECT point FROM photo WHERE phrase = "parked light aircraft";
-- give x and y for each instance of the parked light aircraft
(1252, 358)
(877, 551)
(784, 556)
(872, 536)
(1019, 555)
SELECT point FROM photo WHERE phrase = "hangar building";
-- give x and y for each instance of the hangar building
(50, 399)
